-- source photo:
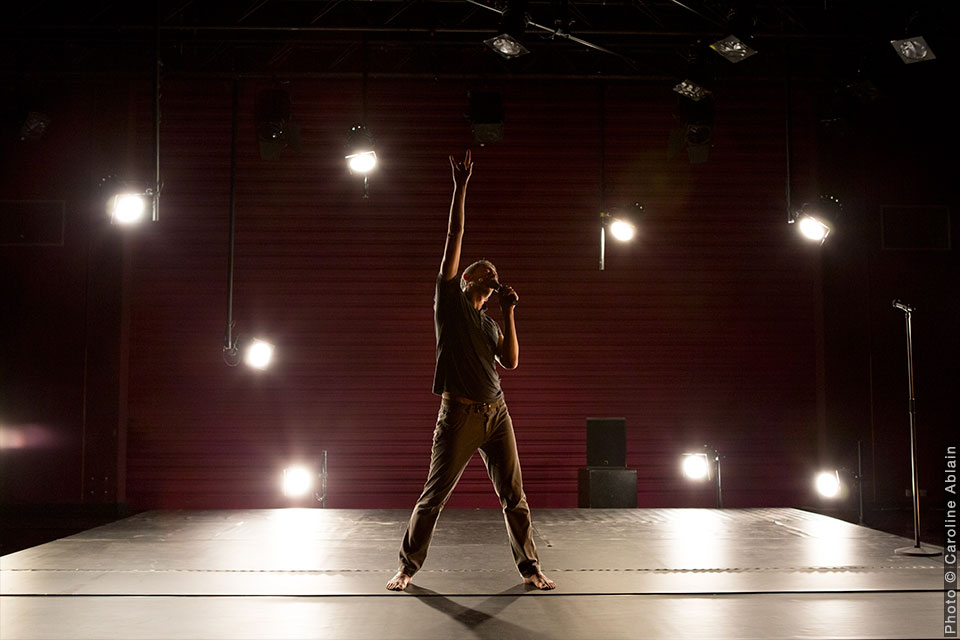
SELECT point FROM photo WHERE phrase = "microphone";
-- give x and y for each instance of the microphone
(511, 299)
(903, 307)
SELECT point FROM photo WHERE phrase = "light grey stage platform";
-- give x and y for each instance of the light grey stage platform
(621, 573)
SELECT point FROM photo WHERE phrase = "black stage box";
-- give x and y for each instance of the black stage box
(606, 488)
(606, 442)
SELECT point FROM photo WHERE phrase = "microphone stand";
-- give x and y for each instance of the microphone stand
(916, 549)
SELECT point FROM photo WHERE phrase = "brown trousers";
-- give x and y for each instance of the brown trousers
(461, 430)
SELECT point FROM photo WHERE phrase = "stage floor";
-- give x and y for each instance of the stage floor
(621, 573)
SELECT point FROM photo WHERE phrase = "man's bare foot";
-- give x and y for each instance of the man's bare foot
(399, 582)
(540, 581)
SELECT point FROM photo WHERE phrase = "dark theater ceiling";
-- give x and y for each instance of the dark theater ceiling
(444, 38)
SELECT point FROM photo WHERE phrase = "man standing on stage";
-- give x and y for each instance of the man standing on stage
(473, 414)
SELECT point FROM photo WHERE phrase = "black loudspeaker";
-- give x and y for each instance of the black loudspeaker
(599, 488)
(606, 442)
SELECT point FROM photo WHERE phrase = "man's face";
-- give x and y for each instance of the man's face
(483, 278)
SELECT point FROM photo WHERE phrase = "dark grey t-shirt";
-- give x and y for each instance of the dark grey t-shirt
(466, 345)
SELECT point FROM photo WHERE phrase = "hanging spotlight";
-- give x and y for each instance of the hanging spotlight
(256, 353)
(692, 90)
(126, 208)
(740, 24)
(816, 221)
(360, 156)
(513, 23)
(622, 230)
(696, 85)
(733, 49)
(695, 114)
(507, 46)
(913, 50)
(622, 225)
(362, 162)
(125, 204)
(813, 228)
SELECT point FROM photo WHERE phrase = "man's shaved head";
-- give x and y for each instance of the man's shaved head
(470, 273)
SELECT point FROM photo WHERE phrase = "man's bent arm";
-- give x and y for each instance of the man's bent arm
(509, 351)
(451, 250)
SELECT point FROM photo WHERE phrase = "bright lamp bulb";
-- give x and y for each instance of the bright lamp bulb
(363, 162)
(813, 229)
(127, 208)
(297, 481)
(828, 484)
(695, 466)
(258, 354)
(622, 231)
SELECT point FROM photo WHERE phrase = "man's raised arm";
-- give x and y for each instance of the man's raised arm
(451, 251)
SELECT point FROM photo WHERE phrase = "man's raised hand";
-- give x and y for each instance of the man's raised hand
(508, 297)
(461, 170)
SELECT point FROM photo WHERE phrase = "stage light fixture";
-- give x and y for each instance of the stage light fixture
(692, 90)
(126, 208)
(513, 23)
(741, 23)
(699, 79)
(125, 203)
(258, 354)
(362, 162)
(733, 49)
(812, 228)
(837, 484)
(828, 484)
(695, 114)
(298, 481)
(913, 50)
(695, 466)
(507, 46)
(622, 230)
(816, 221)
(702, 465)
(361, 157)
(622, 225)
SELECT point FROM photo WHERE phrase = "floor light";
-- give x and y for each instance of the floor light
(702, 465)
